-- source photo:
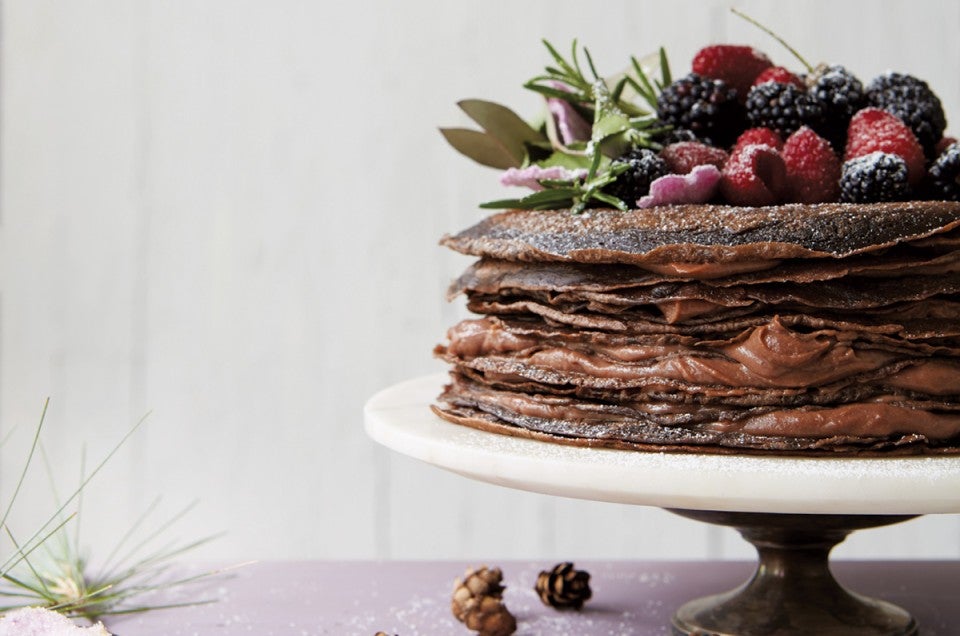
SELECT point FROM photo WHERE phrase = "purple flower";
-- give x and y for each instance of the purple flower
(697, 187)
(531, 176)
(571, 125)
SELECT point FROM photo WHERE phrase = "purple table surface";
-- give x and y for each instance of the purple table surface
(410, 598)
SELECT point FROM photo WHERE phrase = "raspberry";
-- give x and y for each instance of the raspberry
(736, 65)
(840, 94)
(942, 178)
(754, 175)
(813, 169)
(782, 108)
(914, 103)
(645, 167)
(684, 156)
(873, 130)
(763, 136)
(781, 75)
(707, 107)
(876, 177)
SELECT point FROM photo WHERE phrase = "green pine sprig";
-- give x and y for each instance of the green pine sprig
(574, 194)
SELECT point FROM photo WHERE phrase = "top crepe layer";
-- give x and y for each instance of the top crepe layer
(705, 233)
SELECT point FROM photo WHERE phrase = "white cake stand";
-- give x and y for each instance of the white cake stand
(793, 510)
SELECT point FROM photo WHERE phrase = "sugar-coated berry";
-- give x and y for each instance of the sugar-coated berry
(781, 75)
(644, 167)
(943, 177)
(913, 101)
(763, 136)
(737, 65)
(707, 107)
(753, 175)
(674, 135)
(943, 144)
(872, 130)
(840, 94)
(813, 168)
(684, 156)
(782, 108)
(874, 178)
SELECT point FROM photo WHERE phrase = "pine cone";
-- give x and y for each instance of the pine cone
(490, 617)
(475, 584)
(478, 603)
(564, 587)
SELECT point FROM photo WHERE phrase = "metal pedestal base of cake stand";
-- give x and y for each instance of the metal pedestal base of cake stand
(793, 509)
(792, 592)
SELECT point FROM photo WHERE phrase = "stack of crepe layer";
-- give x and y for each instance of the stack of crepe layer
(814, 329)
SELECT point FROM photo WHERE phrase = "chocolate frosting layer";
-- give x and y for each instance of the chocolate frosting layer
(768, 362)
(705, 233)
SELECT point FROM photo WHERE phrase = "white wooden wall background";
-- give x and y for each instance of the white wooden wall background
(227, 213)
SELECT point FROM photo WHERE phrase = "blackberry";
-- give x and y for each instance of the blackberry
(840, 95)
(707, 107)
(675, 135)
(876, 177)
(645, 167)
(942, 177)
(912, 101)
(783, 108)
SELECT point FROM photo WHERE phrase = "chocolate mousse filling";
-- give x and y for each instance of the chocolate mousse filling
(831, 328)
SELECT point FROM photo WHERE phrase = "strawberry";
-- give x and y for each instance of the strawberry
(779, 74)
(875, 130)
(813, 169)
(754, 175)
(684, 156)
(738, 66)
(763, 136)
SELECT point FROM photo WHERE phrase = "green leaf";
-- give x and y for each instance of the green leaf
(593, 69)
(609, 119)
(648, 93)
(617, 91)
(567, 68)
(612, 134)
(610, 200)
(502, 124)
(564, 160)
(551, 196)
(501, 204)
(665, 76)
(542, 200)
(481, 147)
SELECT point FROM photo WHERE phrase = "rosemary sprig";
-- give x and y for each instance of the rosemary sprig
(576, 194)
(581, 89)
(647, 89)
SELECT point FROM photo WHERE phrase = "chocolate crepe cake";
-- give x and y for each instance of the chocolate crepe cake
(773, 298)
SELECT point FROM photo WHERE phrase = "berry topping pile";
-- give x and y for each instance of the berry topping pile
(769, 135)
(817, 139)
